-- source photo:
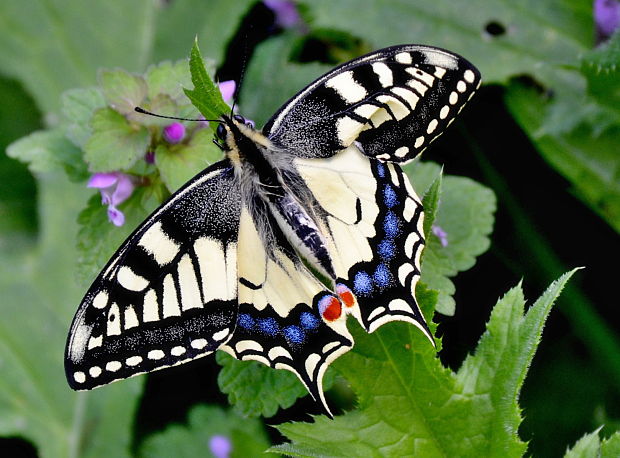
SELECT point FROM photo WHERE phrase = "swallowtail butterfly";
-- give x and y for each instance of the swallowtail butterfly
(265, 253)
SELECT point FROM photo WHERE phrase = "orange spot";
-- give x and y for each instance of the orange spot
(333, 310)
(348, 298)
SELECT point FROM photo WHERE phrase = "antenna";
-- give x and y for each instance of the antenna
(143, 111)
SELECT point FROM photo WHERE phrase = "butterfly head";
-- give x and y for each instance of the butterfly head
(235, 133)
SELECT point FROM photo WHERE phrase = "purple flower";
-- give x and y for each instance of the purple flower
(286, 13)
(115, 188)
(220, 446)
(606, 17)
(149, 157)
(227, 88)
(441, 235)
(174, 133)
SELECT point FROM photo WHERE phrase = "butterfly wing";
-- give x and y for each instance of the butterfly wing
(169, 294)
(392, 103)
(374, 221)
(280, 321)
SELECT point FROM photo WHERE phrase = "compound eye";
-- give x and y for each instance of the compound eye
(221, 132)
(240, 119)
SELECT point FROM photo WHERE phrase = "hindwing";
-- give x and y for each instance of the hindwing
(391, 103)
(169, 294)
(374, 219)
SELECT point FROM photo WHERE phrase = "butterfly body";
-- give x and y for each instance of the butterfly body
(265, 253)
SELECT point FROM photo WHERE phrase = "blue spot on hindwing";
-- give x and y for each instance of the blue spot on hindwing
(382, 276)
(389, 196)
(268, 326)
(391, 224)
(293, 335)
(246, 321)
(386, 249)
(362, 284)
(309, 321)
(380, 170)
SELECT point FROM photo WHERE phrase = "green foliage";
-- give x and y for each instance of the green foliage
(465, 213)
(247, 436)
(591, 446)
(412, 405)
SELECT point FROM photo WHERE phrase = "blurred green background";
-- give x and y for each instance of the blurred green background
(543, 133)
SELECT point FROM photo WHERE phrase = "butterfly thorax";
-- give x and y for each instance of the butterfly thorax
(261, 170)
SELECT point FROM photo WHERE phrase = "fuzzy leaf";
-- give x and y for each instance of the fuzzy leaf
(78, 106)
(115, 144)
(247, 436)
(178, 164)
(122, 90)
(589, 446)
(169, 78)
(255, 389)
(39, 293)
(410, 405)
(601, 67)
(430, 203)
(206, 95)
(465, 214)
(49, 150)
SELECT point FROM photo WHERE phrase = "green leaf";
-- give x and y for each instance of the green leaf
(98, 238)
(40, 297)
(206, 95)
(122, 90)
(410, 405)
(601, 67)
(590, 162)
(78, 106)
(170, 79)
(430, 202)
(611, 446)
(47, 151)
(589, 446)
(247, 436)
(465, 213)
(255, 389)
(115, 144)
(59, 44)
(178, 164)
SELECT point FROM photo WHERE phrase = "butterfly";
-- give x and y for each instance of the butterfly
(265, 253)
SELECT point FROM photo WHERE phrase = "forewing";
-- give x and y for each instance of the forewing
(374, 221)
(392, 103)
(169, 294)
(280, 321)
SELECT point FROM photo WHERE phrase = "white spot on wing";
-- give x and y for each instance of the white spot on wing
(128, 279)
(421, 88)
(157, 243)
(461, 86)
(216, 269)
(133, 360)
(454, 97)
(384, 73)
(221, 335)
(401, 152)
(376, 312)
(113, 366)
(408, 95)
(348, 129)
(244, 345)
(100, 300)
(190, 292)
(329, 346)
(199, 344)
(443, 114)
(311, 363)
(431, 126)
(95, 342)
(403, 271)
(346, 87)
(177, 351)
(277, 352)
(399, 304)
(131, 320)
(423, 76)
(419, 141)
(410, 207)
(469, 76)
(439, 72)
(171, 304)
(114, 321)
(403, 57)
(365, 111)
(155, 354)
(150, 308)
(79, 377)
(94, 371)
